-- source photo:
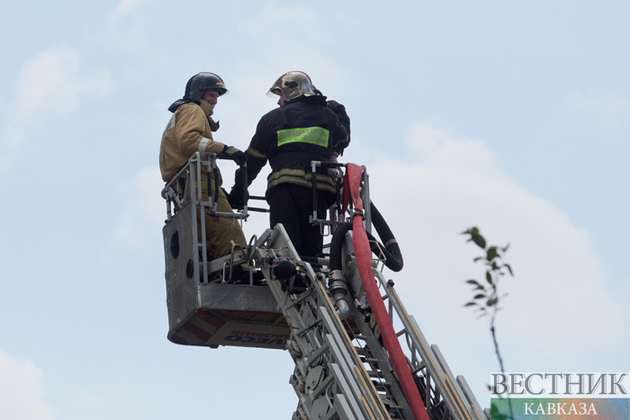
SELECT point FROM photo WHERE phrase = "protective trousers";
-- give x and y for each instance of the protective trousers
(292, 205)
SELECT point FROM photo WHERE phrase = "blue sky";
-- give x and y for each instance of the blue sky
(513, 116)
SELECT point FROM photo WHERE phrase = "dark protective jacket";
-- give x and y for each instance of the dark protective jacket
(293, 135)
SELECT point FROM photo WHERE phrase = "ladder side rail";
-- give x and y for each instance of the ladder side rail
(429, 388)
(350, 388)
(344, 407)
(451, 394)
(469, 399)
(370, 335)
(382, 376)
(444, 389)
(431, 395)
(378, 359)
(305, 343)
(351, 374)
(312, 334)
(453, 398)
(351, 400)
(352, 359)
(334, 324)
(418, 349)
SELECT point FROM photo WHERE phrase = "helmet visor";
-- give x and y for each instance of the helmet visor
(274, 92)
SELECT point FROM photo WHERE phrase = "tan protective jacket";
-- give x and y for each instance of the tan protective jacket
(188, 131)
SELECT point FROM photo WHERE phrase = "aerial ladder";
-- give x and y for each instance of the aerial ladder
(358, 354)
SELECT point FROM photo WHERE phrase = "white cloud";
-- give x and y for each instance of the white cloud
(49, 85)
(559, 291)
(21, 391)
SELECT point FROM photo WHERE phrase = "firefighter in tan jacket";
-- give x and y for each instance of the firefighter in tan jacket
(189, 131)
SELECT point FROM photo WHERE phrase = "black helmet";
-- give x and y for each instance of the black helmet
(202, 81)
(292, 85)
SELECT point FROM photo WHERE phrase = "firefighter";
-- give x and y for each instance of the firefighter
(190, 130)
(304, 128)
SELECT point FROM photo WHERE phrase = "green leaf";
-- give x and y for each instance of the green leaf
(472, 231)
(472, 281)
(480, 296)
(504, 250)
(492, 253)
(479, 240)
(509, 269)
(488, 277)
(492, 302)
(470, 304)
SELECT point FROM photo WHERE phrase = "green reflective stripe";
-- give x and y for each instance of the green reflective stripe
(312, 135)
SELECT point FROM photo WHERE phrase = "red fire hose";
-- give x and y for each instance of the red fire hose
(363, 256)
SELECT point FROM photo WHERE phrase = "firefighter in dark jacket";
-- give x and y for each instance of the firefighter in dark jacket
(304, 128)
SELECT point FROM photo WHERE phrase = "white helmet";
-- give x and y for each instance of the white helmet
(293, 85)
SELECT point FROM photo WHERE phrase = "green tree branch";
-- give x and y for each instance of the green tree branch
(486, 299)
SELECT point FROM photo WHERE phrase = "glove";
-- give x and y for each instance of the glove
(235, 154)
(235, 198)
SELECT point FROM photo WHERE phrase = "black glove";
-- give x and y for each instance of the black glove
(235, 154)
(236, 199)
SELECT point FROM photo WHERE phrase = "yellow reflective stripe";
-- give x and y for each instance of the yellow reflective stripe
(255, 153)
(287, 171)
(301, 182)
(300, 173)
(311, 135)
(300, 177)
